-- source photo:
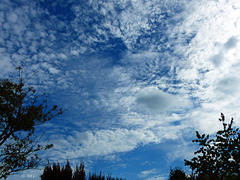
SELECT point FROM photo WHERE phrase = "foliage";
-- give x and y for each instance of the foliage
(79, 172)
(101, 177)
(21, 110)
(96, 177)
(177, 174)
(218, 158)
(55, 172)
(66, 172)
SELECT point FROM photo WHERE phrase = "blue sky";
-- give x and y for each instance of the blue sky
(138, 77)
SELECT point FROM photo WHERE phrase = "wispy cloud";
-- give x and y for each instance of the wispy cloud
(100, 142)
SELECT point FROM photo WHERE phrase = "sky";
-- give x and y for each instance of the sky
(137, 78)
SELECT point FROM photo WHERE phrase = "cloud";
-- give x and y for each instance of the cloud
(153, 174)
(53, 70)
(111, 141)
(228, 86)
(188, 74)
(6, 65)
(155, 100)
(119, 140)
(210, 60)
(160, 177)
(147, 173)
(231, 43)
(101, 142)
(141, 25)
(217, 59)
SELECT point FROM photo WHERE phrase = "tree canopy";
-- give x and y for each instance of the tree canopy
(21, 110)
(177, 174)
(218, 157)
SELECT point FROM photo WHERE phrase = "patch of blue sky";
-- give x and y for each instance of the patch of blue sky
(59, 9)
(113, 48)
(140, 160)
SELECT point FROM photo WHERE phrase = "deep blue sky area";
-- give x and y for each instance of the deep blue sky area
(137, 78)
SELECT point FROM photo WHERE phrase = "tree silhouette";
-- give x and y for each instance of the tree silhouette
(47, 173)
(96, 177)
(21, 110)
(66, 172)
(177, 174)
(79, 173)
(55, 172)
(218, 157)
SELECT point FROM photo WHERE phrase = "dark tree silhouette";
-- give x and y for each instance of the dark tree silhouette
(96, 177)
(47, 173)
(101, 177)
(218, 157)
(51, 172)
(177, 174)
(79, 173)
(55, 172)
(21, 110)
(66, 172)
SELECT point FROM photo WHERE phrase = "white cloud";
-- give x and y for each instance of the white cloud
(101, 142)
(138, 19)
(6, 65)
(153, 174)
(188, 74)
(53, 70)
(160, 177)
(146, 173)
(209, 70)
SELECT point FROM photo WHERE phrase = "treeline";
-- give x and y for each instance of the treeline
(56, 172)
